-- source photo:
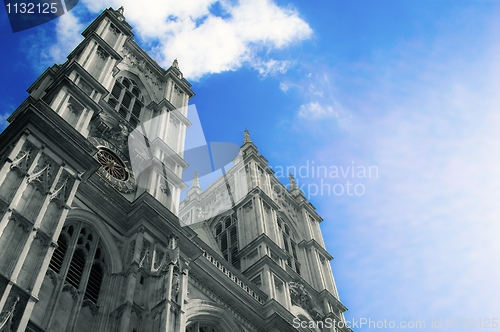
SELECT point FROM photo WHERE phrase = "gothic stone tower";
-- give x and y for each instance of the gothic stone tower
(271, 234)
(86, 244)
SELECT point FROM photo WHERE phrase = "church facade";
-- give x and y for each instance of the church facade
(89, 244)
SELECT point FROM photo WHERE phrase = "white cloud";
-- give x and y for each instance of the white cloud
(284, 86)
(206, 43)
(271, 67)
(320, 99)
(315, 110)
(68, 36)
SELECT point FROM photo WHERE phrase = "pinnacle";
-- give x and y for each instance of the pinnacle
(293, 184)
(196, 180)
(247, 138)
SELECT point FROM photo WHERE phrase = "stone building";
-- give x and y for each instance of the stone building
(87, 244)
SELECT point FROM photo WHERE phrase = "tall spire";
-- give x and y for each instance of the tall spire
(247, 138)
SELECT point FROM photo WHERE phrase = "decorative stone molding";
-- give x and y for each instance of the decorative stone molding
(144, 259)
(300, 297)
(219, 300)
(45, 239)
(114, 29)
(7, 315)
(22, 161)
(141, 65)
(41, 179)
(21, 221)
(59, 195)
(234, 278)
(54, 277)
(248, 207)
(94, 309)
(102, 53)
(74, 292)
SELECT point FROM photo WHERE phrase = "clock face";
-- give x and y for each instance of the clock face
(113, 168)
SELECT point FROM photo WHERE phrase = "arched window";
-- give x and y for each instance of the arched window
(79, 260)
(126, 98)
(226, 233)
(289, 246)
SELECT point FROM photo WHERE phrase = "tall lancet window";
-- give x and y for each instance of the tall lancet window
(79, 260)
(126, 98)
(226, 233)
(289, 246)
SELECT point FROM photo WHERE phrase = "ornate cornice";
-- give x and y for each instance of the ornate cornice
(221, 301)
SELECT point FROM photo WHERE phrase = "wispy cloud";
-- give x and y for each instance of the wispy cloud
(315, 110)
(68, 35)
(319, 98)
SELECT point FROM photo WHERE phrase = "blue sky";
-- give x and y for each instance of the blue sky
(410, 87)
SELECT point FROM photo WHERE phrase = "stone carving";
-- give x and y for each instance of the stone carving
(141, 65)
(114, 29)
(175, 122)
(6, 316)
(92, 306)
(74, 292)
(59, 195)
(54, 277)
(21, 163)
(40, 179)
(158, 259)
(145, 259)
(301, 297)
(102, 53)
(44, 239)
(175, 284)
(248, 207)
(170, 257)
(267, 208)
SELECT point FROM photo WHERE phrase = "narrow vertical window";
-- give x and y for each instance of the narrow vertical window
(76, 267)
(58, 256)
(94, 283)
(226, 233)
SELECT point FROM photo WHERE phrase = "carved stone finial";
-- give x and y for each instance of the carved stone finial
(196, 180)
(120, 10)
(293, 184)
(246, 138)
(175, 64)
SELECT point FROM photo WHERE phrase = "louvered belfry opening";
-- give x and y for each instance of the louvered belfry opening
(126, 98)
(289, 246)
(78, 251)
